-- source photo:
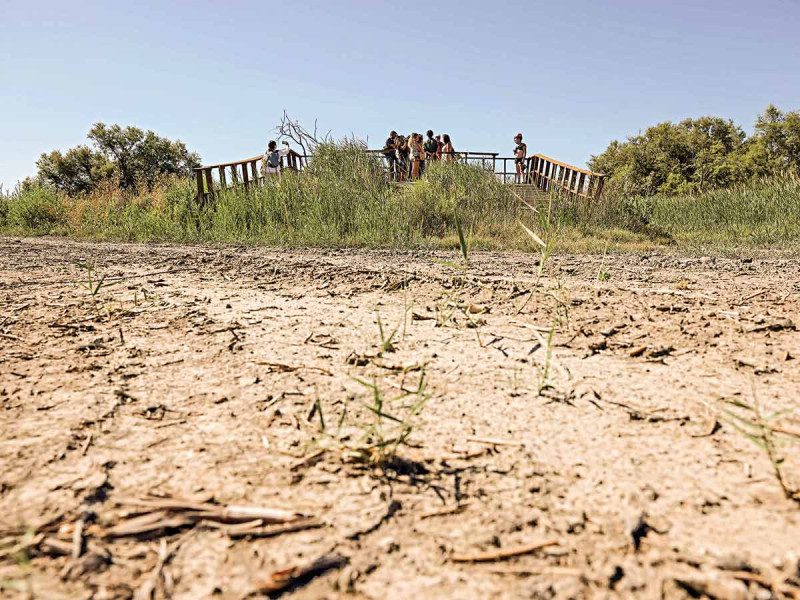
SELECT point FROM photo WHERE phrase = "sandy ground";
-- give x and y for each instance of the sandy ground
(642, 448)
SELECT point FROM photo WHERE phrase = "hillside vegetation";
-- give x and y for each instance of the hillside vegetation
(343, 199)
(701, 154)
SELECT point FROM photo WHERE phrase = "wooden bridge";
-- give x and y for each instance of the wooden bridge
(541, 173)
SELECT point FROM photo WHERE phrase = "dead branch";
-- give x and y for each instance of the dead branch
(291, 129)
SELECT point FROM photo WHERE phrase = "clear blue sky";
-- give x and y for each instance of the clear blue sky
(571, 75)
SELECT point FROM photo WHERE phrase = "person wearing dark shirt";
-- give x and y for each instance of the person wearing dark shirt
(402, 155)
(390, 154)
(431, 146)
(520, 154)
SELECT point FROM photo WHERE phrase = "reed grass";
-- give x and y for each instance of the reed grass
(343, 199)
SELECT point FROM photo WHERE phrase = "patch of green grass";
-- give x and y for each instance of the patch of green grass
(343, 199)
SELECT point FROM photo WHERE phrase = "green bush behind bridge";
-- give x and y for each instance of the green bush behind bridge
(343, 199)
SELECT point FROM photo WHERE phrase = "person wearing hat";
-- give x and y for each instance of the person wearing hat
(520, 154)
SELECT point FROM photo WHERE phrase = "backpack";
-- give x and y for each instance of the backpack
(274, 159)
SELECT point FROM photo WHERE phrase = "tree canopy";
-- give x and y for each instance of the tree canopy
(702, 153)
(127, 156)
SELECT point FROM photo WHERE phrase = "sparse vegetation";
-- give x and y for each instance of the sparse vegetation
(343, 199)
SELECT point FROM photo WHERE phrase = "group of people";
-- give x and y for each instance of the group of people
(406, 156)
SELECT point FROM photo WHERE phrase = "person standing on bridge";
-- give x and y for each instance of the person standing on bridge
(271, 163)
(431, 146)
(401, 152)
(417, 155)
(448, 152)
(520, 154)
(390, 154)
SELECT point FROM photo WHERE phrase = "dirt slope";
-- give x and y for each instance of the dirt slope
(243, 377)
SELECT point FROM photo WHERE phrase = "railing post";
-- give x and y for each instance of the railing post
(209, 183)
(245, 175)
(601, 181)
(201, 196)
(548, 172)
(222, 181)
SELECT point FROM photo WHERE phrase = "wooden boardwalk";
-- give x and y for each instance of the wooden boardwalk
(541, 173)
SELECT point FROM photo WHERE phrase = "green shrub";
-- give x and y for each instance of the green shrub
(478, 197)
(37, 209)
(343, 199)
(5, 202)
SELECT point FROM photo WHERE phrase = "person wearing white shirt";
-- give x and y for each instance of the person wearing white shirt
(271, 163)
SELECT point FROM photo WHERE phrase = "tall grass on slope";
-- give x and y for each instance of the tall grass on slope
(343, 199)
(764, 212)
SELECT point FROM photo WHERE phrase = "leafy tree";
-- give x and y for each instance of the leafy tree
(778, 135)
(128, 155)
(76, 171)
(673, 157)
(702, 153)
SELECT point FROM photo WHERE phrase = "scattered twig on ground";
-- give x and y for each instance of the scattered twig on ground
(286, 580)
(147, 590)
(283, 368)
(257, 529)
(502, 553)
(751, 296)
(155, 515)
(494, 441)
(532, 571)
(441, 512)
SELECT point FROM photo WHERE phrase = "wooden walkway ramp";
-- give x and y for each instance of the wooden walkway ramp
(541, 174)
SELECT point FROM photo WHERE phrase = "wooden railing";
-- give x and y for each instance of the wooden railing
(542, 171)
(211, 179)
(549, 174)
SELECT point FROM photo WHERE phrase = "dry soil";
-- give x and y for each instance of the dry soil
(637, 417)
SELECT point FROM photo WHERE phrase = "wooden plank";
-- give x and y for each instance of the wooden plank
(539, 172)
(201, 194)
(562, 164)
(245, 175)
(209, 183)
(230, 164)
(222, 182)
(601, 182)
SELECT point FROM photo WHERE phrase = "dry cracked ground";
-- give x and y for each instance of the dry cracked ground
(202, 422)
